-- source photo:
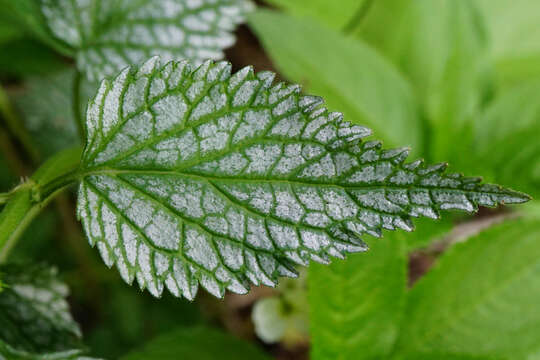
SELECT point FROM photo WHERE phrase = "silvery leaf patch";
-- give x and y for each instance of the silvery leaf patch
(109, 35)
(35, 322)
(198, 176)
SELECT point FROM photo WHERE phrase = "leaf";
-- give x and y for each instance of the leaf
(514, 27)
(514, 34)
(444, 356)
(356, 305)
(506, 142)
(22, 57)
(46, 106)
(198, 176)
(26, 15)
(110, 35)
(35, 318)
(337, 17)
(350, 75)
(482, 297)
(443, 56)
(196, 343)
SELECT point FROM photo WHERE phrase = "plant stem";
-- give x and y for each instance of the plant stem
(16, 126)
(77, 106)
(26, 201)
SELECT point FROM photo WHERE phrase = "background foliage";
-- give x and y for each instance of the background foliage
(457, 80)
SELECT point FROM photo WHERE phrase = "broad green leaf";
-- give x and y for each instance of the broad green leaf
(347, 73)
(356, 305)
(26, 56)
(442, 55)
(34, 316)
(47, 110)
(506, 142)
(514, 38)
(201, 343)
(337, 16)
(514, 27)
(110, 35)
(26, 15)
(445, 356)
(198, 176)
(482, 298)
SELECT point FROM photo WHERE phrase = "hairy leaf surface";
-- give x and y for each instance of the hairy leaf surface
(34, 315)
(110, 35)
(201, 343)
(198, 176)
(356, 305)
(482, 298)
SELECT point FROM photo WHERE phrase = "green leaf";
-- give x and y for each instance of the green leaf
(199, 343)
(110, 35)
(26, 56)
(26, 15)
(46, 107)
(350, 75)
(482, 297)
(337, 17)
(444, 356)
(506, 142)
(198, 176)
(356, 305)
(34, 316)
(443, 56)
(514, 27)
(514, 34)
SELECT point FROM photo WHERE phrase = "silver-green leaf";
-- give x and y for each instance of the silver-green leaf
(34, 315)
(195, 176)
(110, 35)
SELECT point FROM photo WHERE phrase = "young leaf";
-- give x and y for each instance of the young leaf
(349, 74)
(34, 316)
(506, 138)
(443, 56)
(198, 176)
(327, 12)
(201, 343)
(482, 297)
(356, 305)
(46, 106)
(110, 35)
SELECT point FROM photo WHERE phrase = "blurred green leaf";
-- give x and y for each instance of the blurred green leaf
(506, 146)
(47, 111)
(514, 26)
(199, 343)
(514, 37)
(441, 47)
(356, 305)
(337, 16)
(34, 316)
(350, 76)
(427, 230)
(445, 356)
(481, 298)
(26, 56)
(26, 15)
